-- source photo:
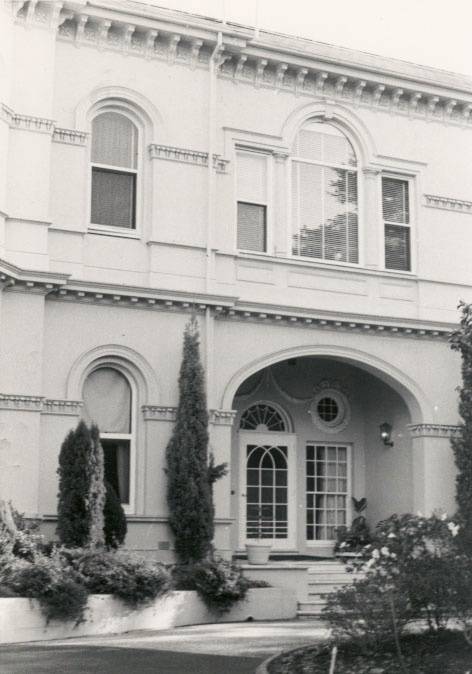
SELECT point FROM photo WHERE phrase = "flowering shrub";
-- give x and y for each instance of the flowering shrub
(220, 584)
(413, 570)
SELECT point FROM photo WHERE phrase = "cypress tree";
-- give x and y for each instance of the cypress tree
(188, 485)
(461, 340)
(81, 489)
(73, 512)
(96, 469)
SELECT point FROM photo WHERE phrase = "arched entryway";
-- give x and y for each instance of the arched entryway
(306, 440)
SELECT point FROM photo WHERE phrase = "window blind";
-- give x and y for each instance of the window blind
(395, 202)
(113, 198)
(396, 214)
(252, 177)
(324, 212)
(107, 401)
(114, 139)
(252, 230)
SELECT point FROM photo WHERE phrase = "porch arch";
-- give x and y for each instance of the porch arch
(418, 404)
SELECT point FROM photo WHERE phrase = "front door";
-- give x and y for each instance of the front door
(267, 481)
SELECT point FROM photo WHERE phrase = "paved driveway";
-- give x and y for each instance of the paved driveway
(231, 648)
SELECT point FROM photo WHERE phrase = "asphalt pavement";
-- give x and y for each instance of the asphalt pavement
(229, 648)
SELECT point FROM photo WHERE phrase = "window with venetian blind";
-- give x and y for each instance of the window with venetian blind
(108, 403)
(324, 195)
(396, 216)
(114, 170)
(252, 201)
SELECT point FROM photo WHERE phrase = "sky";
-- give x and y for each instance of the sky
(435, 33)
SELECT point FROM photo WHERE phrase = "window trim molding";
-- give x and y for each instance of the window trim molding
(120, 108)
(413, 187)
(323, 542)
(143, 204)
(269, 204)
(359, 151)
(129, 508)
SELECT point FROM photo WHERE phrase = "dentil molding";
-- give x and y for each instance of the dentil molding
(448, 203)
(433, 430)
(40, 404)
(261, 61)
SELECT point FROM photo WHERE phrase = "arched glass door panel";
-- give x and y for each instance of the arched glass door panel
(267, 492)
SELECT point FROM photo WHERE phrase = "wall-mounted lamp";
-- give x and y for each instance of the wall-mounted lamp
(386, 434)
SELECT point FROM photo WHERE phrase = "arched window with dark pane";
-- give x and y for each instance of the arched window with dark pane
(262, 417)
(324, 194)
(114, 170)
(108, 402)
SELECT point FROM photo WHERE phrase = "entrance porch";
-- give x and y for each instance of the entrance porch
(306, 439)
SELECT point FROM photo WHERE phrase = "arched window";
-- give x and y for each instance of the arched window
(324, 194)
(108, 402)
(114, 170)
(262, 417)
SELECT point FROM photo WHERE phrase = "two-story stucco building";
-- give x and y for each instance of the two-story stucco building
(312, 204)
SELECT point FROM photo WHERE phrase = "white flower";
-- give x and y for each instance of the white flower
(385, 551)
(393, 555)
(453, 528)
(444, 517)
(376, 554)
(368, 564)
(343, 544)
(391, 535)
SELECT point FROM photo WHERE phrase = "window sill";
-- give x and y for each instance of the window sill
(327, 265)
(120, 232)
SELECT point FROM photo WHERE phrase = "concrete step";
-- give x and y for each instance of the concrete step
(327, 577)
(310, 609)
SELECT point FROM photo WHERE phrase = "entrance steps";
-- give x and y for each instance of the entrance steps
(323, 577)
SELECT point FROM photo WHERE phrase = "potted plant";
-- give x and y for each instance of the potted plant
(258, 549)
(351, 540)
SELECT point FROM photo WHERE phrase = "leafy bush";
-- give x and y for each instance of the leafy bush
(60, 596)
(115, 519)
(132, 579)
(220, 584)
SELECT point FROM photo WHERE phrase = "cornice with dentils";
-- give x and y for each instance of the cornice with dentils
(267, 60)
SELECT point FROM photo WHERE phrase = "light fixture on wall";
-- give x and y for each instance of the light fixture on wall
(386, 434)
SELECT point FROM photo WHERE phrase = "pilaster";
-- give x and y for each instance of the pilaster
(280, 209)
(370, 219)
(434, 470)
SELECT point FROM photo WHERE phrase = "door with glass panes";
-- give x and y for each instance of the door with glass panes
(268, 488)
(328, 490)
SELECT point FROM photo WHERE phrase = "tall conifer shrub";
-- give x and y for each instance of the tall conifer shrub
(73, 512)
(461, 340)
(188, 476)
(81, 516)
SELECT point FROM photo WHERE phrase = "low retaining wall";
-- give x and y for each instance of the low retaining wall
(281, 575)
(22, 620)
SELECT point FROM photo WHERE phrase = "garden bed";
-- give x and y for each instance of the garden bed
(22, 620)
(443, 653)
